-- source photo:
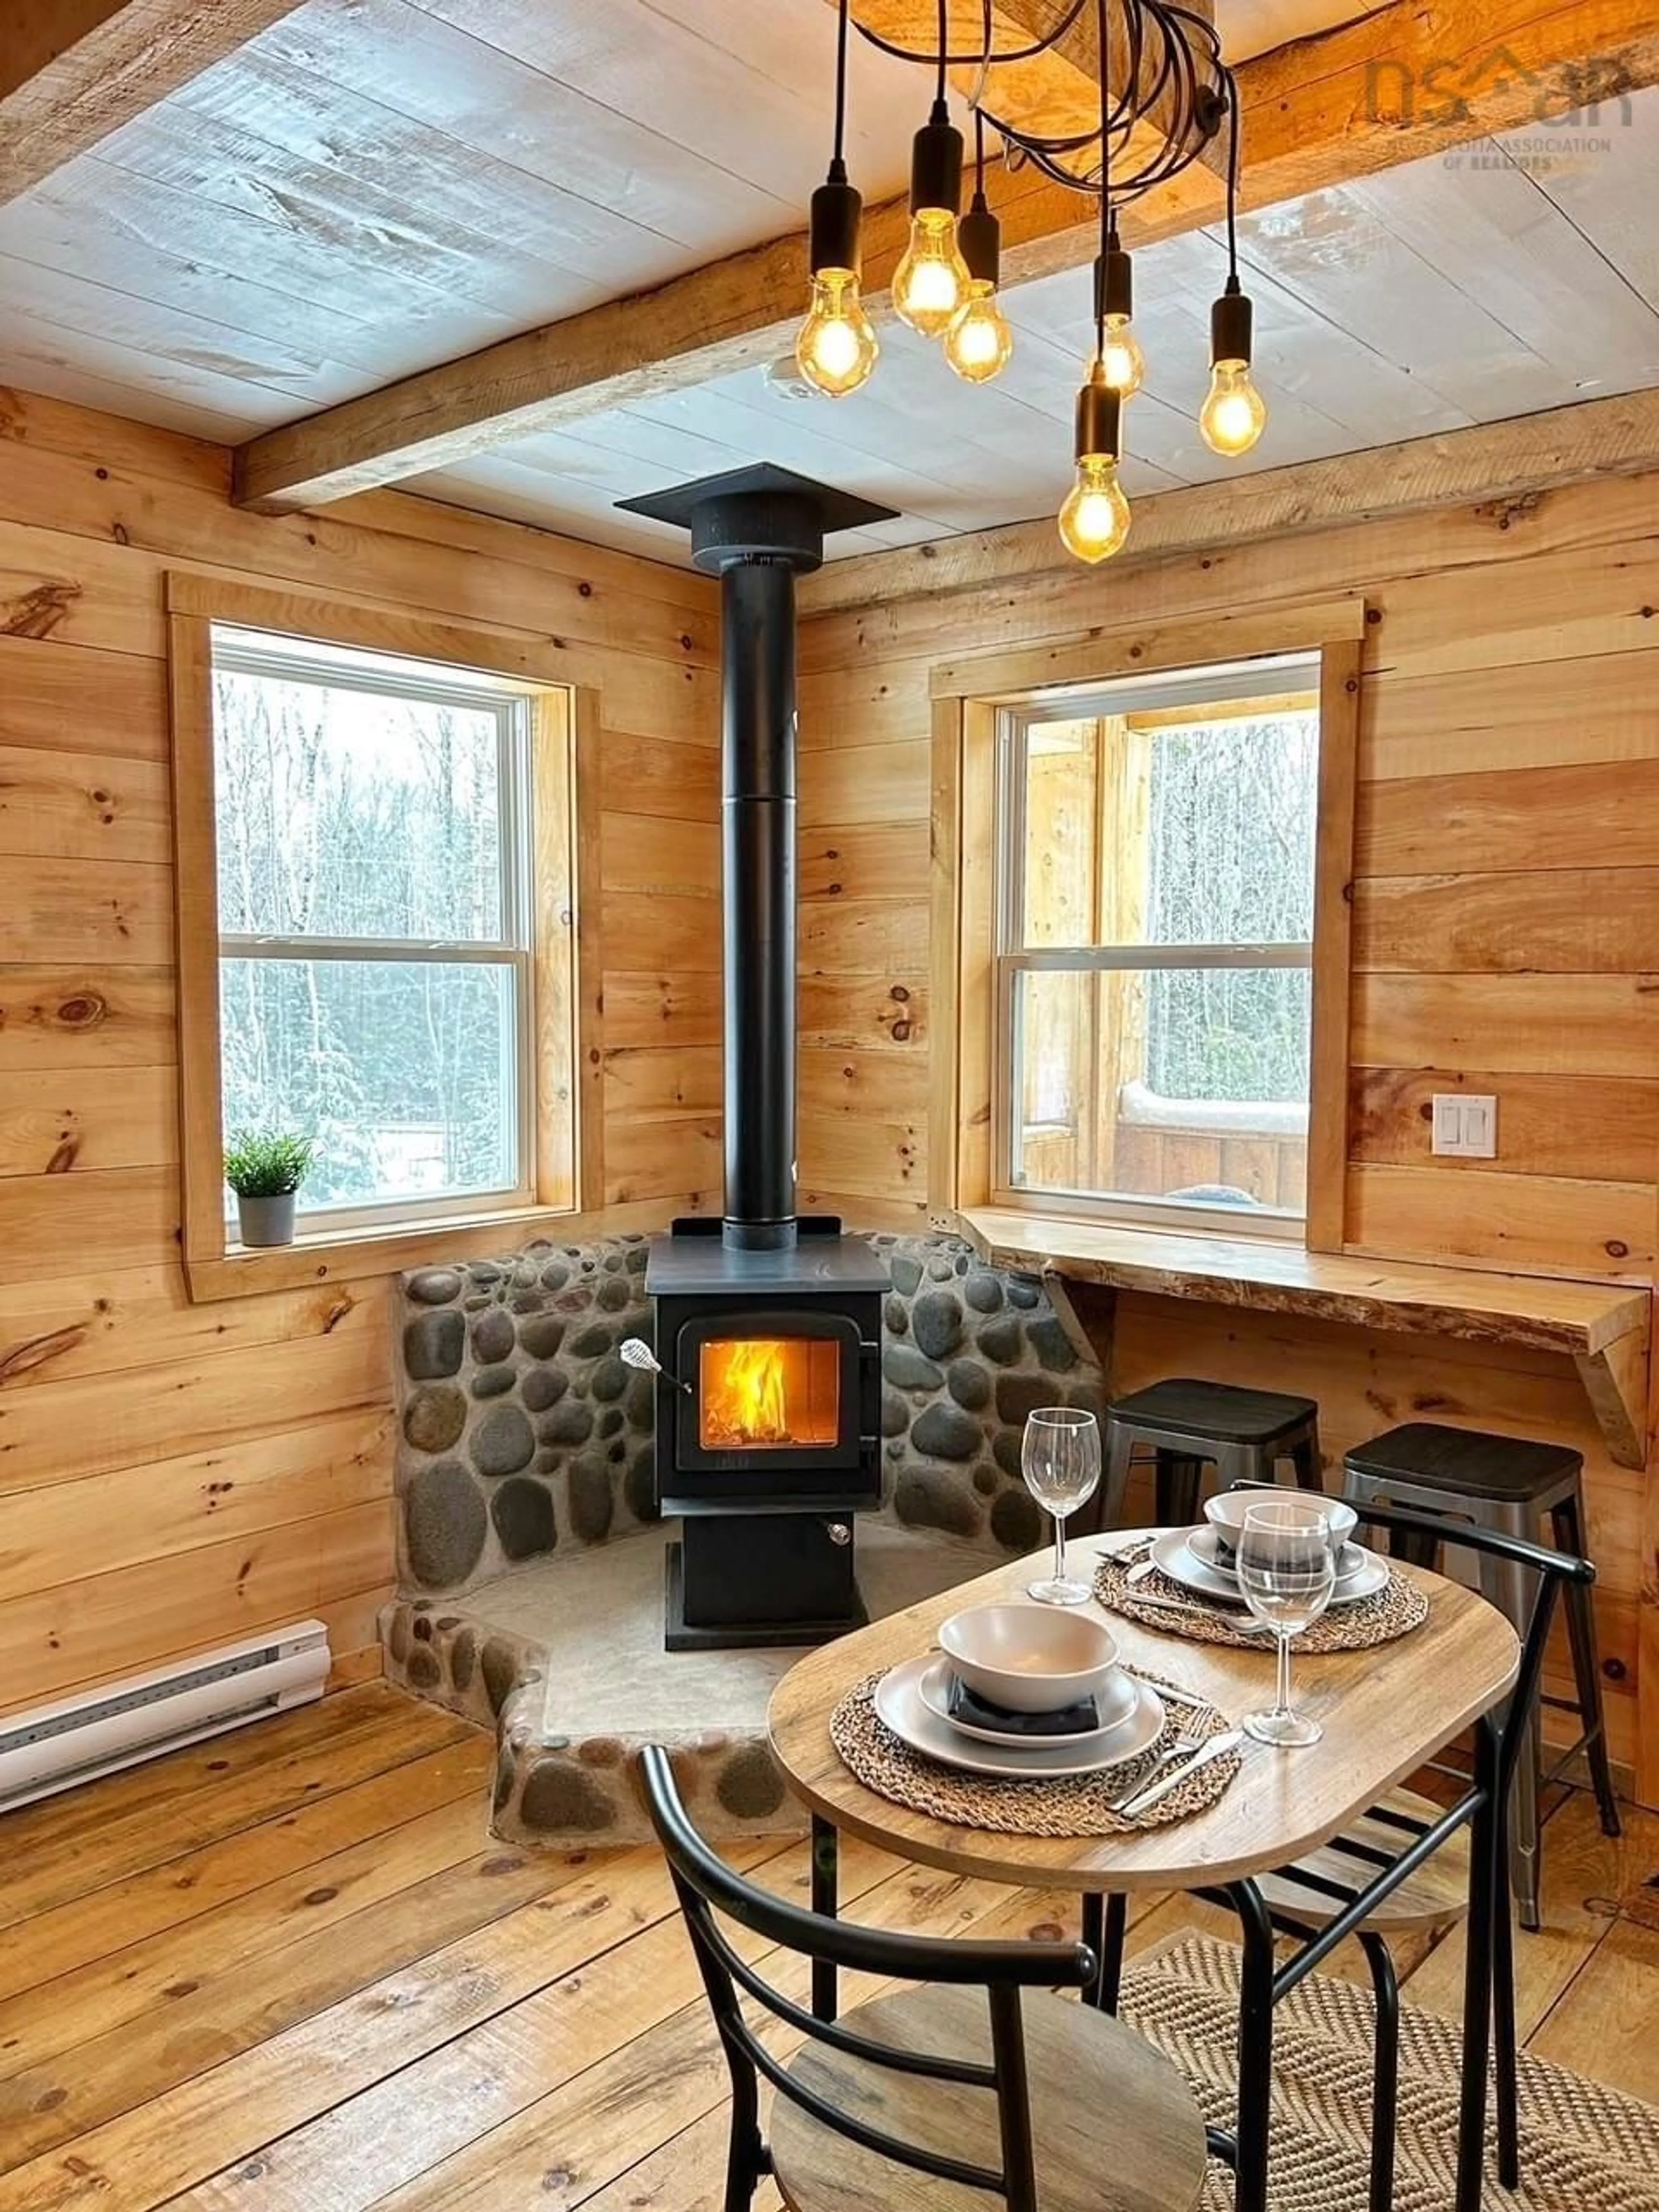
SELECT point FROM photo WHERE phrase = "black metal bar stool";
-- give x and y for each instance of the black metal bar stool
(1190, 1425)
(1510, 1486)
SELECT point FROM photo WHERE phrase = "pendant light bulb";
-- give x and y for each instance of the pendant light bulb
(1121, 358)
(1094, 520)
(1124, 361)
(1234, 413)
(931, 279)
(978, 341)
(837, 347)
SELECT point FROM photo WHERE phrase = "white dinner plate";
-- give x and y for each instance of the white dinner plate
(1173, 1554)
(1353, 1559)
(899, 1703)
(934, 1690)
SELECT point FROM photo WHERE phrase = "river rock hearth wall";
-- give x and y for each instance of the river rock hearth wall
(968, 1351)
(520, 1428)
(523, 1432)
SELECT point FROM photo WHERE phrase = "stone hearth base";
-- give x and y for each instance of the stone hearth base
(567, 1731)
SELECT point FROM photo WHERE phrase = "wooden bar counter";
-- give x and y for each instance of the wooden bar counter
(1604, 1327)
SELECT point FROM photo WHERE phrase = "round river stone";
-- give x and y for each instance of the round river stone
(444, 1523)
(435, 1417)
(432, 1345)
(503, 1442)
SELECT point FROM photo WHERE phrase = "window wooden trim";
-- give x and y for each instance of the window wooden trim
(567, 962)
(968, 695)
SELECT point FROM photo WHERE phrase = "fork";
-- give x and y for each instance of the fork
(1182, 1746)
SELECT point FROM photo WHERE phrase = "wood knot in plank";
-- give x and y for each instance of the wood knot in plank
(37, 613)
(35, 1352)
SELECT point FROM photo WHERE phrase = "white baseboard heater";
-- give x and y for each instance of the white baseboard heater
(76, 1739)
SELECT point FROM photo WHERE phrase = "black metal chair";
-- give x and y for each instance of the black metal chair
(982, 2079)
(1321, 1898)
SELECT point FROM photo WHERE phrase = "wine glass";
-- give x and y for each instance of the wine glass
(1060, 1460)
(1286, 1571)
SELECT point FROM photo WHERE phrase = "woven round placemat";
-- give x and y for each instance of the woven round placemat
(1046, 1805)
(1396, 1609)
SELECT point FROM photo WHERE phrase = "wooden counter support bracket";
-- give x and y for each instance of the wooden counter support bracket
(1615, 1376)
(1604, 1327)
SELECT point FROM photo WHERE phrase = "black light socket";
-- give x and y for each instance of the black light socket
(1231, 324)
(979, 238)
(1115, 289)
(837, 212)
(1099, 417)
(936, 163)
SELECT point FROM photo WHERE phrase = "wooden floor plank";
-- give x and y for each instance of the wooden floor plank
(43, 1872)
(54, 1821)
(560, 2147)
(211, 1959)
(1584, 1874)
(287, 1973)
(1604, 2024)
(303, 2044)
(381, 1970)
(72, 1936)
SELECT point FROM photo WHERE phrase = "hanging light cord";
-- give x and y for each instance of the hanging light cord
(944, 46)
(838, 168)
(1105, 180)
(1174, 62)
(1232, 179)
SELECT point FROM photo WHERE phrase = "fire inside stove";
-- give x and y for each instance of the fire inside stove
(762, 1393)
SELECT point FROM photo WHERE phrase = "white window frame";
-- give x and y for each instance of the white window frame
(1196, 687)
(291, 660)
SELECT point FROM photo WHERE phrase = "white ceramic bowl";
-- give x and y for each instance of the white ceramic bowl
(1035, 1658)
(1225, 1513)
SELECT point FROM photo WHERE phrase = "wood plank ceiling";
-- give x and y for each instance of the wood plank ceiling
(371, 186)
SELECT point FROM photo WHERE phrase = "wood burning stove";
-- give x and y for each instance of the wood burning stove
(769, 1430)
(769, 1326)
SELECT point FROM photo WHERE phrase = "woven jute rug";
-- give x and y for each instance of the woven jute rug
(1583, 2149)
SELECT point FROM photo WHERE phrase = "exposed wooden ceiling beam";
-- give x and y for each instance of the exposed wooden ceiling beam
(72, 71)
(1403, 83)
(1054, 93)
(1501, 463)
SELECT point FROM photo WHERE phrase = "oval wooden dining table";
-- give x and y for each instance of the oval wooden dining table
(1386, 1713)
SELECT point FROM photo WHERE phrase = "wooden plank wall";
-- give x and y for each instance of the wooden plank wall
(172, 1474)
(1506, 930)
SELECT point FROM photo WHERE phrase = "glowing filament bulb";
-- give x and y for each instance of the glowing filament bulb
(1095, 519)
(978, 343)
(931, 279)
(836, 349)
(1234, 413)
(1124, 362)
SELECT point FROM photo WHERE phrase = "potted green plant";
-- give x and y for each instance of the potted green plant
(264, 1168)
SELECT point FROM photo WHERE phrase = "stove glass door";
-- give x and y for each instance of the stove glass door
(768, 1392)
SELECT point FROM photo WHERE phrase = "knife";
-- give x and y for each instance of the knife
(1217, 1747)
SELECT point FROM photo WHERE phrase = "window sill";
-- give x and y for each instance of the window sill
(242, 1271)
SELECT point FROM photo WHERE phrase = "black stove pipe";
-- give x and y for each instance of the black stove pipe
(757, 529)
(758, 808)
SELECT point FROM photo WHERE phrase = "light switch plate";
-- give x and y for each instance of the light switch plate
(1465, 1125)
